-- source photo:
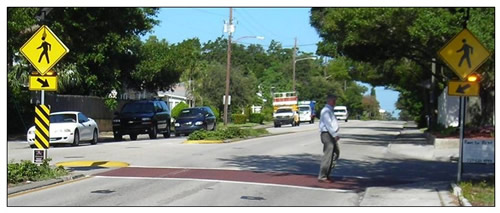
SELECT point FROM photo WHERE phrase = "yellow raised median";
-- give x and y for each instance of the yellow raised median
(106, 164)
(203, 141)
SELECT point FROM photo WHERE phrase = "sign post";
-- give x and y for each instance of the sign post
(43, 50)
(461, 145)
(464, 54)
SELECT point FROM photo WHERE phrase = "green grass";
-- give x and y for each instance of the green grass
(480, 192)
(28, 171)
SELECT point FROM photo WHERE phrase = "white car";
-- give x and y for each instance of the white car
(341, 113)
(68, 128)
(305, 113)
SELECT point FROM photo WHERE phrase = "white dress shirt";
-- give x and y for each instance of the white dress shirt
(328, 121)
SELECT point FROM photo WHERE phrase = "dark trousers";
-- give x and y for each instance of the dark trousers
(331, 153)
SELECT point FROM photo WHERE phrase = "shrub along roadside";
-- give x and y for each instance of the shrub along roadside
(28, 171)
(256, 118)
(239, 119)
(226, 133)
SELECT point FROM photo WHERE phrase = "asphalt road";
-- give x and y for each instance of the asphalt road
(277, 170)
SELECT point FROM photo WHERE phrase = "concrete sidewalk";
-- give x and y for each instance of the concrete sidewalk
(412, 144)
(416, 194)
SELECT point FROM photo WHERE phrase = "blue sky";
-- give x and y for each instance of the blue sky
(280, 24)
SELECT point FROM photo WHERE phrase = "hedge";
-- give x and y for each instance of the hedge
(239, 119)
(226, 133)
(256, 118)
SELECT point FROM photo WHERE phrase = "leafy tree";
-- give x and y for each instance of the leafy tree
(176, 111)
(212, 88)
(370, 107)
(393, 47)
(104, 43)
(159, 67)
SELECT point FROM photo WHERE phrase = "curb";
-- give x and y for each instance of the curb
(457, 191)
(41, 184)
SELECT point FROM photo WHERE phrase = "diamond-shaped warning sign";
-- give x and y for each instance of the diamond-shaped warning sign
(464, 54)
(43, 50)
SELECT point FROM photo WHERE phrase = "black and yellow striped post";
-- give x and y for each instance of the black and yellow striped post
(42, 123)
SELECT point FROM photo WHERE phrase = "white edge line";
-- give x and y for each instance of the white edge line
(228, 181)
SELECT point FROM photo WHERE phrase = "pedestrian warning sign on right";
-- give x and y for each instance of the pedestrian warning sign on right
(464, 54)
(43, 50)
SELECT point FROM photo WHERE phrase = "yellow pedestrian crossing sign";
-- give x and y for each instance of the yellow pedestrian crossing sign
(43, 50)
(464, 54)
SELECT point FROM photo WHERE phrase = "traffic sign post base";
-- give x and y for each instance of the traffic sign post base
(39, 155)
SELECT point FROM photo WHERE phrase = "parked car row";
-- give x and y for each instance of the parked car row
(150, 117)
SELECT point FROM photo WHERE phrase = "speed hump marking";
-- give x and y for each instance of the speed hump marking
(464, 54)
(463, 88)
(47, 83)
(42, 126)
(43, 50)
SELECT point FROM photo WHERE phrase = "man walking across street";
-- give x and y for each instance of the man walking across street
(329, 127)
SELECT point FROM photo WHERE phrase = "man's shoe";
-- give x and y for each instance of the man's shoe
(325, 181)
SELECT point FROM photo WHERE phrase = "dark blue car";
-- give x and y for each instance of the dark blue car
(192, 119)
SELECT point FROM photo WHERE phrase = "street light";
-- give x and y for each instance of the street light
(294, 62)
(245, 37)
(228, 72)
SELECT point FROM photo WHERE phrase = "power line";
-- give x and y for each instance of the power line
(258, 24)
(250, 24)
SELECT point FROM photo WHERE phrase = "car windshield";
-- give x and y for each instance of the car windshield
(339, 110)
(302, 109)
(283, 110)
(63, 118)
(138, 108)
(190, 113)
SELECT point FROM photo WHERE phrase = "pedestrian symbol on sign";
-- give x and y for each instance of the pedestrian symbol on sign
(46, 48)
(466, 48)
(43, 50)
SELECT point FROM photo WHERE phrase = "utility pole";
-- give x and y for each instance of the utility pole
(293, 61)
(228, 69)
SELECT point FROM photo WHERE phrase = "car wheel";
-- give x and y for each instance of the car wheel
(153, 133)
(95, 138)
(33, 146)
(118, 137)
(167, 134)
(345, 120)
(177, 134)
(205, 127)
(133, 137)
(215, 125)
(76, 139)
